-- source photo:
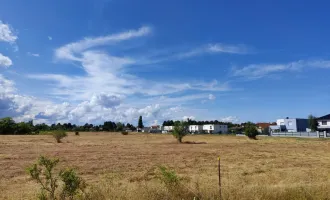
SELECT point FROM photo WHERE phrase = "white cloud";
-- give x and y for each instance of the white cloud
(110, 74)
(212, 97)
(215, 48)
(185, 118)
(33, 54)
(50, 38)
(232, 49)
(6, 33)
(5, 61)
(256, 71)
(6, 86)
(69, 51)
(232, 119)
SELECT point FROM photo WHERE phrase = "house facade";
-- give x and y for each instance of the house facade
(168, 128)
(290, 125)
(215, 128)
(324, 123)
(196, 128)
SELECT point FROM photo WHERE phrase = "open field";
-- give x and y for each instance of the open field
(125, 167)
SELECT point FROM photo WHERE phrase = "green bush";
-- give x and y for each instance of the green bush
(169, 177)
(76, 133)
(124, 133)
(180, 130)
(59, 135)
(73, 184)
(43, 173)
(250, 130)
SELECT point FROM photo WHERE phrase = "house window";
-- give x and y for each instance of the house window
(290, 123)
(324, 122)
(210, 127)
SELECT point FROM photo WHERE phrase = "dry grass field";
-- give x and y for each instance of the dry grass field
(125, 167)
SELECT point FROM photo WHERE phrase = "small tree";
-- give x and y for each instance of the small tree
(180, 130)
(120, 126)
(250, 130)
(43, 173)
(312, 122)
(73, 184)
(59, 135)
(140, 123)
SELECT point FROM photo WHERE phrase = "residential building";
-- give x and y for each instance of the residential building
(215, 128)
(168, 128)
(145, 129)
(324, 123)
(290, 125)
(196, 128)
(155, 129)
(263, 126)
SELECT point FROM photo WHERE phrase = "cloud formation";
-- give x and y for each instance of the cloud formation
(6, 33)
(256, 71)
(33, 54)
(5, 61)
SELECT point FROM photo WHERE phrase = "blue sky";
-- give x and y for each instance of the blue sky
(91, 61)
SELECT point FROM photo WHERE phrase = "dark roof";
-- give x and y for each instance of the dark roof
(325, 117)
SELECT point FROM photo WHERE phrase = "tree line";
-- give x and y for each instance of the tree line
(8, 127)
(194, 122)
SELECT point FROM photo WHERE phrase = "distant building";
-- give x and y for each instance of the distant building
(168, 128)
(145, 129)
(324, 123)
(261, 126)
(195, 128)
(290, 125)
(215, 128)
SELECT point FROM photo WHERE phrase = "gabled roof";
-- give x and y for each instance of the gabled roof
(325, 117)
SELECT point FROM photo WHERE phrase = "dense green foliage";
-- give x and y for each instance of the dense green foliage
(194, 122)
(59, 135)
(180, 130)
(140, 122)
(250, 130)
(312, 122)
(43, 173)
(9, 127)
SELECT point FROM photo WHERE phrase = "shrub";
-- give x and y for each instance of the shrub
(169, 177)
(43, 173)
(124, 133)
(59, 135)
(251, 130)
(180, 130)
(76, 133)
(72, 183)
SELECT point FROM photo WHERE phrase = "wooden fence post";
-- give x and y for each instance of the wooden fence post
(219, 173)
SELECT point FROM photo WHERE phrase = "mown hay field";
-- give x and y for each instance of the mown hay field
(119, 166)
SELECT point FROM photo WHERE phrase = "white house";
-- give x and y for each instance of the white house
(215, 128)
(168, 128)
(195, 128)
(324, 123)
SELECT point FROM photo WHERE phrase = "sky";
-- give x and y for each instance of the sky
(228, 60)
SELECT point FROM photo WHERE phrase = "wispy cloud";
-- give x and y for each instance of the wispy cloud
(231, 49)
(33, 54)
(256, 71)
(50, 38)
(217, 48)
(5, 61)
(6, 33)
(69, 51)
(105, 72)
